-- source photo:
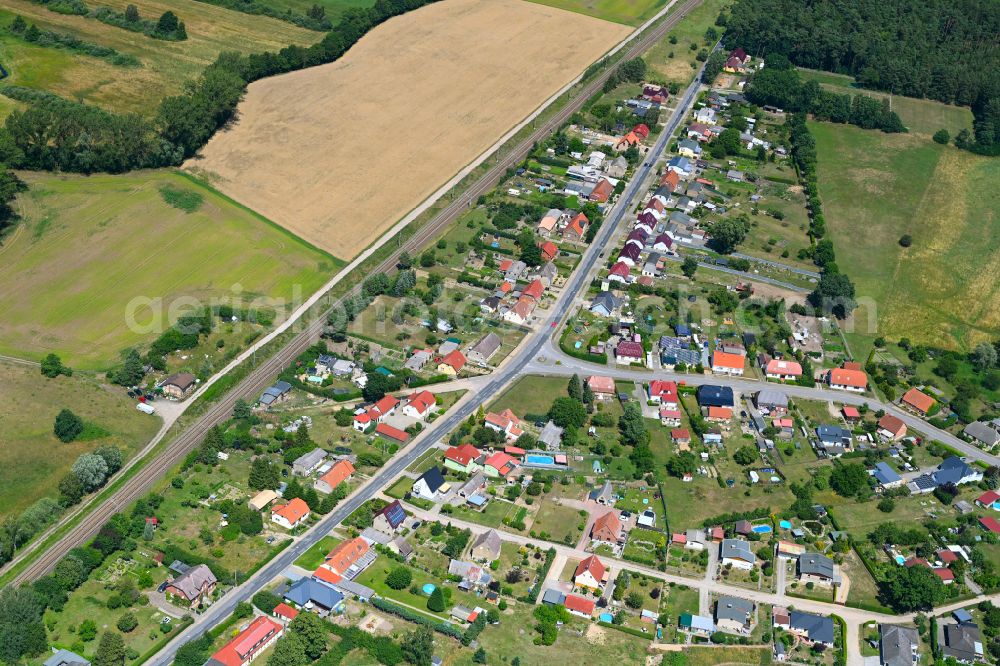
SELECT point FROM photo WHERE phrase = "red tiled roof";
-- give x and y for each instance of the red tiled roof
(593, 565)
(603, 189)
(991, 524)
(549, 250)
(241, 649)
(577, 603)
(455, 359)
(722, 413)
(919, 400)
(392, 433)
(782, 367)
(680, 433)
(630, 349)
(501, 462)
(601, 384)
(326, 575)
(848, 377)
(293, 512)
(421, 401)
(535, 289)
(284, 610)
(851, 413)
(891, 424)
(944, 573)
(342, 470)
(463, 454)
(947, 556)
(610, 522)
(620, 269)
(721, 359)
(345, 554)
(577, 224)
(666, 390)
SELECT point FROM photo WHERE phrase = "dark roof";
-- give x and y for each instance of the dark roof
(305, 590)
(815, 564)
(433, 478)
(961, 642)
(897, 644)
(733, 608)
(817, 627)
(710, 395)
(394, 513)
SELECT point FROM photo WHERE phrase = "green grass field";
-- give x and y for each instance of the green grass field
(921, 116)
(166, 65)
(682, 66)
(941, 291)
(629, 12)
(314, 557)
(90, 250)
(32, 460)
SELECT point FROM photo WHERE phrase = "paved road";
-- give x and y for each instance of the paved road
(508, 370)
(262, 375)
(748, 276)
(777, 264)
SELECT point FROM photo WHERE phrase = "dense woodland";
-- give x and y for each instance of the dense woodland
(55, 133)
(946, 50)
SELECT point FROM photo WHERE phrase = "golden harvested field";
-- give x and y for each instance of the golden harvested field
(340, 152)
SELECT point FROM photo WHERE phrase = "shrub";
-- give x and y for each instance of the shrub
(399, 578)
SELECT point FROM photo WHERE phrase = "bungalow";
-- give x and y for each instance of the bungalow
(710, 395)
(389, 518)
(817, 569)
(886, 476)
(311, 593)
(452, 364)
(499, 465)
(602, 387)
(590, 573)
(420, 357)
(579, 606)
(789, 550)
(549, 250)
(607, 528)
(471, 488)
(952, 470)
(737, 553)
(620, 272)
(390, 432)
(178, 385)
(850, 414)
(258, 636)
(680, 165)
(628, 352)
(733, 614)
(814, 629)
(981, 432)
(724, 363)
(306, 464)
(680, 436)
(782, 370)
(891, 428)
(420, 405)
(898, 646)
(654, 93)
(428, 485)
(630, 140)
(340, 472)
(695, 539)
(462, 458)
(576, 229)
(505, 422)
(64, 657)
(843, 379)
(193, 586)
(601, 192)
(290, 515)
(918, 401)
(605, 304)
(485, 349)
(963, 643)
(696, 624)
(551, 436)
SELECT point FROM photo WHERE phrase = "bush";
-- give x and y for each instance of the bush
(127, 623)
(399, 578)
(905, 240)
(942, 136)
(68, 426)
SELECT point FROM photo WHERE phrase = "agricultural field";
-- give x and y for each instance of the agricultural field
(629, 12)
(32, 460)
(921, 116)
(166, 65)
(941, 291)
(77, 265)
(471, 71)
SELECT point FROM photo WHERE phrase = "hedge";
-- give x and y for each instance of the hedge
(532, 596)
(627, 630)
(446, 628)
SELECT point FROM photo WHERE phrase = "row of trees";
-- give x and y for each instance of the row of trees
(33, 35)
(939, 49)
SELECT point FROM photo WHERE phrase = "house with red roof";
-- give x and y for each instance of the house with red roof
(847, 379)
(462, 458)
(782, 370)
(990, 523)
(389, 432)
(629, 351)
(719, 414)
(602, 191)
(452, 364)
(988, 499)
(946, 575)
(505, 422)
(725, 363)
(656, 94)
(891, 427)
(284, 613)
(602, 387)
(291, 514)
(946, 556)
(851, 414)
(345, 555)
(376, 413)
(549, 250)
(620, 272)
(670, 180)
(590, 573)
(340, 472)
(670, 416)
(630, 140)
(521, 311)
(499, 465)
(259, 635)
(663, 392)
(917, 401)
(680, 436)
(579, 606)
(641, 131)
(576, 229)
(607, 528)
(663, 243)
(534, 290)
(420, 405)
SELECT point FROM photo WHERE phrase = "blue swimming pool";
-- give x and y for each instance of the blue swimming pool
(429, 588)
(761, 529)
(900, 560)
(785, 525)
(606, 617)
(535, 459)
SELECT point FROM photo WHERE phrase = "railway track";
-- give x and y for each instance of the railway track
(263, 375)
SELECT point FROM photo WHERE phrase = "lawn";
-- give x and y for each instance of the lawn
(864, 591)
(859, 518)
(530, 395)
(314, 557)
(32, 460)
(942, 290)
(102, 263)
(922, 116)
(555, 522)
(691, 30)
(709, 656)
(166, 65)
(491, 516)
(689, 504)
(629, 12)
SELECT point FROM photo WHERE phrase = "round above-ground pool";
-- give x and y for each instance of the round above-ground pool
(606, 617)
(761, 529)
(785, 525)
(429, 588)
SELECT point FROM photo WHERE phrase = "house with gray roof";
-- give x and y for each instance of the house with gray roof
(771, 401)
(886, 476)
(308, 463)
(551, 436)
(306, 591)
(816, 629)
(734, 615)
(736, 552)
(193, 586)
(481, 352)
(603, 495)
(486, 546)
(274, 394)
(818, 569)
(981, 432)
(605, 304)
(897, 645)
(65, 658)
(963, 642)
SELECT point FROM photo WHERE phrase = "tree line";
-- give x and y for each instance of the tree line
(59, 134)
(60, 40)
(938, 49)
(314, 19)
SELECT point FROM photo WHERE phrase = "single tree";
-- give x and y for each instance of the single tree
(68, 426)
(435, 602)
(689, 266)
(110, 650)
(399, 578)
